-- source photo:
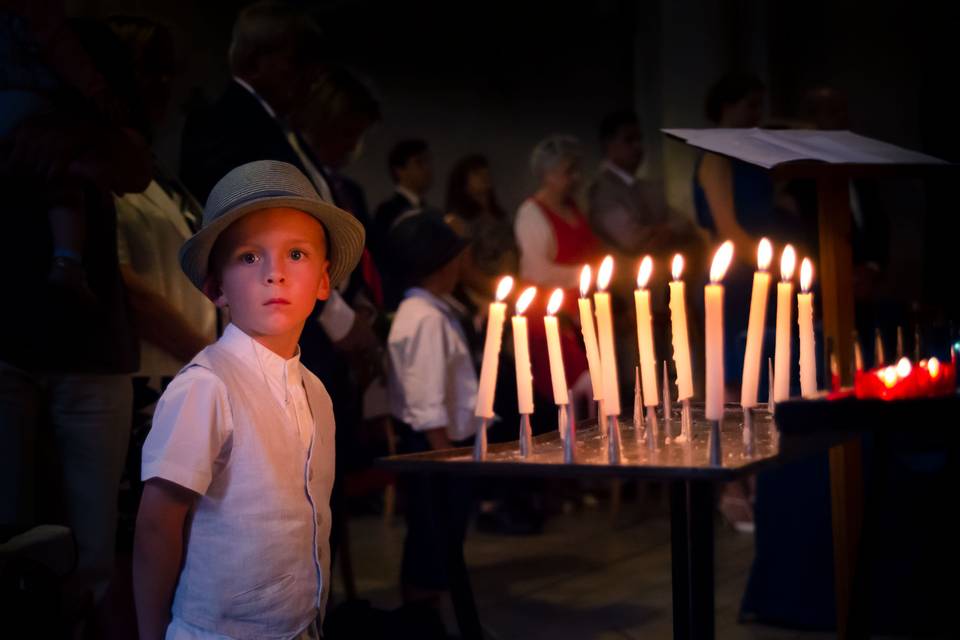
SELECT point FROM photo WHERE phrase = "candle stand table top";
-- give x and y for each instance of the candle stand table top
(671, 460)
(684, 466)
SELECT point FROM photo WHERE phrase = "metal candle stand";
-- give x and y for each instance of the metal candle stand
(480, 442)
(526, 435)
(570, 441)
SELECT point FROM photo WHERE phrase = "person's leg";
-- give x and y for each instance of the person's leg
(90, 415)
(20, 399)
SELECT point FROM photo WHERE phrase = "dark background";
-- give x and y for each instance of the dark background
(495, 77)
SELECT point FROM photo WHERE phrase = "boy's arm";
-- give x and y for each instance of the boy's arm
(438, 439)
(158, 553)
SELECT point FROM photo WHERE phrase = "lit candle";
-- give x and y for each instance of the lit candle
(713, 307)
(755, 326)
(521, 353)
(589, 331)
(648, 362)
(491, 350)
(678, 330)
(608, 357)
(808, 362)
(550, 325)
(781, 356)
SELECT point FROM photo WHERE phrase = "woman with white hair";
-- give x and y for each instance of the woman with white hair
(552, 232)
(555, 241)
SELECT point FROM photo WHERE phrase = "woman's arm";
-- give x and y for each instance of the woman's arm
(158, 321)
(158, 553)
(716, 178)
(538, 250)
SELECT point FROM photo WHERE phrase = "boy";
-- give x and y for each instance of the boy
(433, 386)
(234, 522)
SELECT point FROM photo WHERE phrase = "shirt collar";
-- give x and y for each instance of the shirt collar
(620, 173)
(435, 300)
(263, 103)
(279, 374)
(409, 195)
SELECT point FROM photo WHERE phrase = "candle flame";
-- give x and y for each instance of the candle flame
(525, 299)
(556, 299)
(889, 376)
(643, 275)
(764, 254)
(933, 366)
(721, 260)
(605, 273)
(788, 262)
(503, 289)
(677, 266)
(903, 367)
(585, 277)
(806, 275)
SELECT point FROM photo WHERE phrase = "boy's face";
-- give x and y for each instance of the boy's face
(273, 269)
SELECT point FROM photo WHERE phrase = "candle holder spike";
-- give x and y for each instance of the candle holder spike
(637, 405)
(570, 442)
(614, 451)
(686, 422)
(716, 452)
(667, 402)
(480, 442)
(653, 429)
(770, 403)
(526, 435)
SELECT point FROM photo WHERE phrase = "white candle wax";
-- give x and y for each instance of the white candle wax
(808, 362)
(648, 363)
(781, 356)
(608, 357)
(681, 340)
(521, 355)
(557, 375)
(491, 359)
(713, 334)
(755, 327)
(589, 331)
(713, 338)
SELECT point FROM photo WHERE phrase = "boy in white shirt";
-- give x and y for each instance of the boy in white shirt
(232, 537)
(433, 384)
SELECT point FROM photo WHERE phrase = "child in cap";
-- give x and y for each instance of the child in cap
(232, 537)
(433, 385)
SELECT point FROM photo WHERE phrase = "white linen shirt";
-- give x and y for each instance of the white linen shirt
(151, 228)
(193, 422)
(433, 382)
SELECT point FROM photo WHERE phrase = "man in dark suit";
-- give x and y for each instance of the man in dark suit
(273, 55)
(412, 173)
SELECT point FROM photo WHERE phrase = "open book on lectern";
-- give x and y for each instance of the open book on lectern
(771, 147)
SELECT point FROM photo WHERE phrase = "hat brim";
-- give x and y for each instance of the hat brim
(345, 236)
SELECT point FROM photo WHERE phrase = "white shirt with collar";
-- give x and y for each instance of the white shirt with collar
(627, 178)
(433, 382)
(414, 199)
(196, 443)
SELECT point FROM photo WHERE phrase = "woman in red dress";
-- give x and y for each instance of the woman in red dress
(555, 241)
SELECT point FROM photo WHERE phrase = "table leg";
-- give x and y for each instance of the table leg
(691, 539)
(846, 489)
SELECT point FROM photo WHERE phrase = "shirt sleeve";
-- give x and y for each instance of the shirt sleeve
(419, 366)
(336, 317)
(538, 250)
(191, 425)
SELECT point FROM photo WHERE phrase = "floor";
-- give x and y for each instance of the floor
(589, 575)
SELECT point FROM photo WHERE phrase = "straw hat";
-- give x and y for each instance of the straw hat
(267, 184)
